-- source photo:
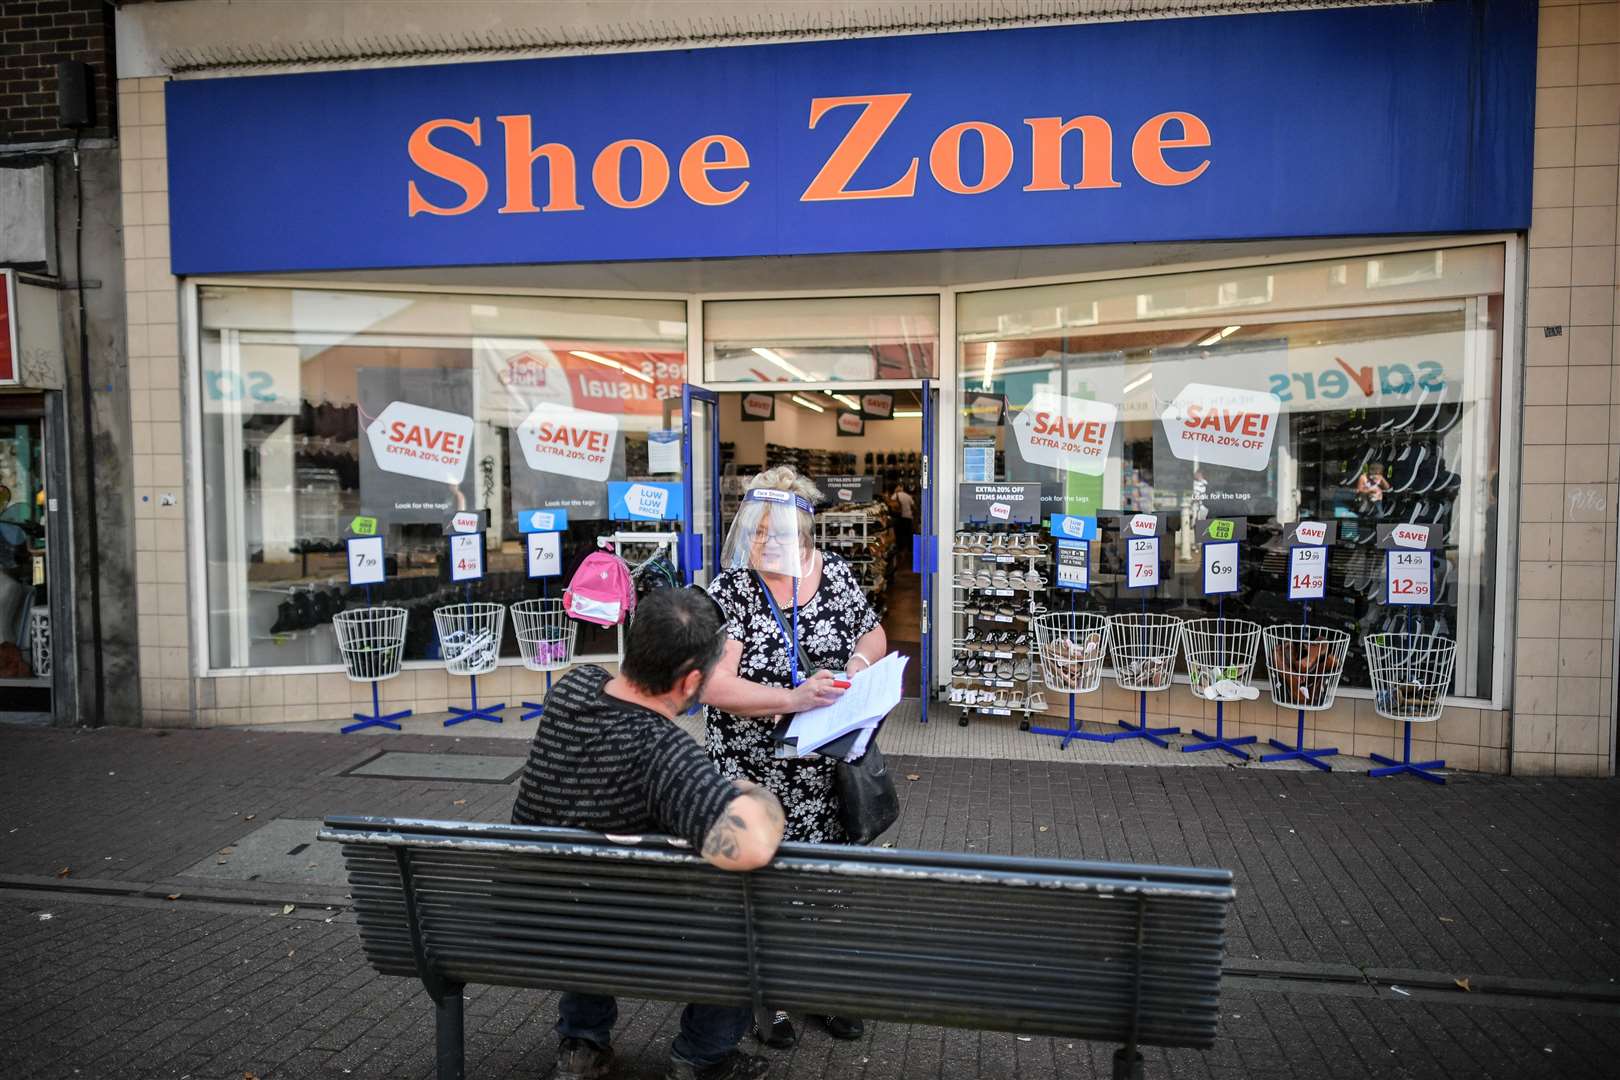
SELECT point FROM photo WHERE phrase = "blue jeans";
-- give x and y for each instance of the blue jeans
(708, 1032)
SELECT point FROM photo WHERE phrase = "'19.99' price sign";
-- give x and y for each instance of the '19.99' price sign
(1307, 573)
(1409, 578)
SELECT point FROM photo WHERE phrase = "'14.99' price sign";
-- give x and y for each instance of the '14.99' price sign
(1142, 562)
(1307, 573)
(466, 556)
(1409, 578)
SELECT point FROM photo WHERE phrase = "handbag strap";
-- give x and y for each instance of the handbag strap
(788, 639)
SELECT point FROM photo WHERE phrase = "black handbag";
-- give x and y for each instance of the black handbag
(867, 799)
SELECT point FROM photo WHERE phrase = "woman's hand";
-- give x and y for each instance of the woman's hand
(819, 689)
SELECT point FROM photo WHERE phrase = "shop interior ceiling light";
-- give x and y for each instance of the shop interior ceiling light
(776, 358)
(1219, 336)
(987, 381)
(807, 403)
(844, 399)
(1138, 382)
(607, 361)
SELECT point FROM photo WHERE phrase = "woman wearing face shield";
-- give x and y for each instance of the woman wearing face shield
(775, 587)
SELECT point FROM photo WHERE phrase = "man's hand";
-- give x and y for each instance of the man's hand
(746, 834)
(819, 689)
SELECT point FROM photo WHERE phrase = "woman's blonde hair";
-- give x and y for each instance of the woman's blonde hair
(787, 478)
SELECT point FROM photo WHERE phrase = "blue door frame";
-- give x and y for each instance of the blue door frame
(691, 538)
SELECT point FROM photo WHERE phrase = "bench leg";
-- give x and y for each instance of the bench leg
(1127, 1064)
(447, 1015)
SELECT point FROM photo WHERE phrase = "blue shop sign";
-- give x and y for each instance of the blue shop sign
(1412, 118)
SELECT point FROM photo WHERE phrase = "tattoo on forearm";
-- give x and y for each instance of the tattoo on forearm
(724, 836)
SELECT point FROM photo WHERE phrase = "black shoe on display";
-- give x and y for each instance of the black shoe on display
(581, 1059)
(285, 618)
(843, 1027)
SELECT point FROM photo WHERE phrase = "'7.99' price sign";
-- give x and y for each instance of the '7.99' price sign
(1409, 578)
(467, 556)
(1307, 573)
(1142, 562)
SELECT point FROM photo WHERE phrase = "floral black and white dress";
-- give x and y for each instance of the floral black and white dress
(830, 623)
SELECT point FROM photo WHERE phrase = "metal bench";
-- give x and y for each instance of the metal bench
(1101, 951)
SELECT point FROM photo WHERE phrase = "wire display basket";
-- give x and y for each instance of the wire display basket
(1219, 650)
(470, 636)
(1072, 647)
(545, 634)
(1411, 674)
(1305, 664)
(372, 641)
(1144, 646)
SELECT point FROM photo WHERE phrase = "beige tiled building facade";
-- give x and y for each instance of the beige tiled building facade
(1562, 485)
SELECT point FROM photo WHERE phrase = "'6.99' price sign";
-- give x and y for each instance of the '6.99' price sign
(1409, 578)
(1307, 573)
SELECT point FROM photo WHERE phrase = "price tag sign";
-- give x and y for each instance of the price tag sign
(1074, 565)
(1307, 573)
(1409, 578)
(1220, 569)
(545, 554)
(1142, 562)
(366, 560)
(467, 556)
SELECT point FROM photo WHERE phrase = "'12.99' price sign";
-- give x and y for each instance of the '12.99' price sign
(1409, 578)
(1142, 562)
(1307, 573)
(466, 556)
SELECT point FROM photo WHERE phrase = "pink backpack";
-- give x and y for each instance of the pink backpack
(601, 590)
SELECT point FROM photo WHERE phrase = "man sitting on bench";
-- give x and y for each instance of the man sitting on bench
(608, 757)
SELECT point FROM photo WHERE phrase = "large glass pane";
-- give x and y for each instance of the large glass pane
(821, 339)
(321, 407)
(1385, 377)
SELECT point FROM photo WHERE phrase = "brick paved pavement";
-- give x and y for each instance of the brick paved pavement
(1499, 880)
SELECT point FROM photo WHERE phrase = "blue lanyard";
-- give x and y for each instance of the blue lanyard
(795, 654)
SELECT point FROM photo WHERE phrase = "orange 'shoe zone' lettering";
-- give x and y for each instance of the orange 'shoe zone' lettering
(701, 163)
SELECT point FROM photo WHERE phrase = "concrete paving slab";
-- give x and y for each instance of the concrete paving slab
(413, 765)
(285, 849)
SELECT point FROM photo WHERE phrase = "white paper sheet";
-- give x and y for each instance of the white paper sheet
(871, 695)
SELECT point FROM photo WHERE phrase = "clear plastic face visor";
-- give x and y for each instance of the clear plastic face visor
(770, 534)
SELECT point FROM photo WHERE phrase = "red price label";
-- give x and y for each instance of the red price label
(1307, 573)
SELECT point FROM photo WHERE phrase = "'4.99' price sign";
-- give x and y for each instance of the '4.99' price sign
(1409, 578)
(466, 556)
(1307, 573)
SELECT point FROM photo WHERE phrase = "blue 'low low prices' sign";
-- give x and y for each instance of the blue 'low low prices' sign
(644, 500)
(1409, 118)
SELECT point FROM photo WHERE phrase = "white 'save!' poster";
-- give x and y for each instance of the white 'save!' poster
(1066, 432)
(418, 444)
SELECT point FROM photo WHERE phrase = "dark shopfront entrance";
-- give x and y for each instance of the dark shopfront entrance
(864, 523)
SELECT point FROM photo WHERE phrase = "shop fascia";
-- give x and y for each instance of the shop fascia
(431, 149)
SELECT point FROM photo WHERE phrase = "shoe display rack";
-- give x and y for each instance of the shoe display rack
(1000, 582)
(809, 461)
(864, 537)
(895, 470)
(1387, 465)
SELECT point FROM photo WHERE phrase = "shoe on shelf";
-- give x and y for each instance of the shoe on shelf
(780, 1037)
(581, 1059)
(1037, 701)
(844, 1027)
(734, 1066)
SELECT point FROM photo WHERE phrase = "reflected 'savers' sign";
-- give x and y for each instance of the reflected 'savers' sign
(1127, 131)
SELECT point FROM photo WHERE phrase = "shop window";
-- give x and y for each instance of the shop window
(821, 339)
(328, 413)
(1386, 414)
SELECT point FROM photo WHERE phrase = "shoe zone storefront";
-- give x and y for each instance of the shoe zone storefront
(1200, 294)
